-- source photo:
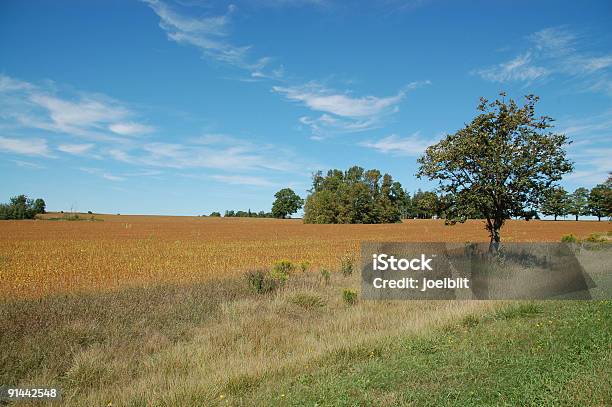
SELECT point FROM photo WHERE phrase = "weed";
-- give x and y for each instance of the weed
(307, 300)
(347, 265)
(260, 281)
(569, 238)
(281, 270)
(349, 296)
(325, 275)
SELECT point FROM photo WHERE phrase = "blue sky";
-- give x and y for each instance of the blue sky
(185, 107)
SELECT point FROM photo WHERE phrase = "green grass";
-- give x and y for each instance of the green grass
(540, 354)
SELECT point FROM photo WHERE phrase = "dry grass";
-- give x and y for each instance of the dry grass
(197, 344)
(43, 257)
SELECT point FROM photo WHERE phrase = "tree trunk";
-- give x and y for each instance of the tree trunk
(576, 218)
(494, 228)
(555, 217)
(598, 218)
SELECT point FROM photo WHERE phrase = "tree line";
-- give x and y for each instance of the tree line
(582, 202)
(22, 207)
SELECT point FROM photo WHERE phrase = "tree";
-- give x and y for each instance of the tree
(287, 202)
(20, 207)
(579, 202)
(354, 196)
(600, 200)
(215, 214)
(499, 165)
(556, 202)
(426, 204)
(39, 206)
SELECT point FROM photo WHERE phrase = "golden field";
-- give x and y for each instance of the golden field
(157, 313)
(41, 257)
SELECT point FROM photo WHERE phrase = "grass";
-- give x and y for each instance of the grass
(197, 341)
(528, 354)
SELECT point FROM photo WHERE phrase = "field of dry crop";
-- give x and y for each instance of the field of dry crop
(40, 257)
(157, 311)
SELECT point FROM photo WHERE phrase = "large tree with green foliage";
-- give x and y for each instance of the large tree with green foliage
(556, 202)
(354, 196)
(600, 200)
(287, 202)
(579, 202)
(499, 165)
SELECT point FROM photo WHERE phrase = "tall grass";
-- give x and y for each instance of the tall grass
(192, 344)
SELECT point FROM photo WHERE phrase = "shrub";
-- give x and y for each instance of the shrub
(569, 238)
(281, 270)
(349, 296)
(304, 266)
(346, 265)
(326, 275)
(260, 281)
(307, 300)
(596, 238)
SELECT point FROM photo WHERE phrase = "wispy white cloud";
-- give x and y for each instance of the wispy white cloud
(517, 69)
(111, 124)
(209, 34)
(130, 128)
(76, 149)
(412, 145)
(8, 84)
(25, 146)
(243, 180)
(28, 164)
(341, 111)
(592, 165)
(551, 52)
(102, 174)
(90, 116)
(219, 155)
(321, 99)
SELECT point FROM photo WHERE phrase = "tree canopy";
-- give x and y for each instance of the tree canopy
(354, 196)
(287, 203)
(21, 207)
(600, 200)
(579, 202)
(499, 165)
(556, 202)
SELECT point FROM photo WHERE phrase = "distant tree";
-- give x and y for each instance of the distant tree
(287, 202)
(40, 206)
(355, 196)
(499, 165)
(579, 202)
(600, 200)
(20, 207)
(229, 214)
(215, 214)
(556, 202)
(426, 204)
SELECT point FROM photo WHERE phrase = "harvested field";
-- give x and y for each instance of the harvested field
(43, 256)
